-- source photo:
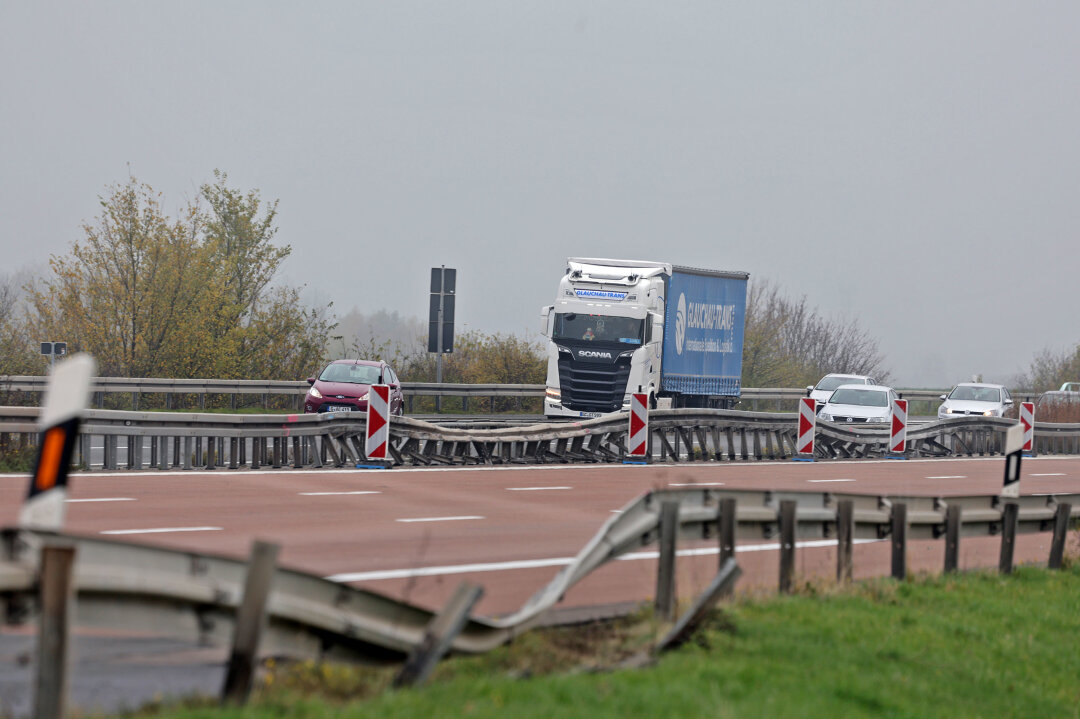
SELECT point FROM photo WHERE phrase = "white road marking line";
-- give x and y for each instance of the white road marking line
(533, 489)
(830, 480)
(559, 562)
(332, 494)
(161, 530)
(439, 519)
(950, 476)
(1048, 474)
(696, 484)
(103, 499)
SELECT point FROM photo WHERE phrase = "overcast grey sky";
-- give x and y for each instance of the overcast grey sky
(914, 165)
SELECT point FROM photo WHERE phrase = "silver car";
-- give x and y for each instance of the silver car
(859, 403)
(825, 386)
(970, 398)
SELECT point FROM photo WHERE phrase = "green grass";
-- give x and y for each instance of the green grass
(976, 645)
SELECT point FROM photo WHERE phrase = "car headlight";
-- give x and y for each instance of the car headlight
(364, 397)
(946, 410)
(315, 393)
(988, 413)
(826, 417)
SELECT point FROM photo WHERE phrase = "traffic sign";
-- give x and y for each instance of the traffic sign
(807, 426)
(1014, 443)
(378, 422)
(638, 437)
(898, 432)
(1027, 421)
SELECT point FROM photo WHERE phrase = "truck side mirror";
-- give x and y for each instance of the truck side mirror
(545, 320)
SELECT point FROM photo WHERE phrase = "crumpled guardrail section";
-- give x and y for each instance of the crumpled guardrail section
(122, 585)
(176, 440)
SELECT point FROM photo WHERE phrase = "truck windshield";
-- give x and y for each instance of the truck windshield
(598, 328)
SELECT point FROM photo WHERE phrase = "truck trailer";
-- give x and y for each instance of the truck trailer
(624, 326)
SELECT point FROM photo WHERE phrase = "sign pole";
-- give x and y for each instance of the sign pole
(438, 357)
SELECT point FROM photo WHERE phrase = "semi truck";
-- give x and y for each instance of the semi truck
(618, 327)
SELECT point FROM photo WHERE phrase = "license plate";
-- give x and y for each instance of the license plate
(590, 414)
(340, 408)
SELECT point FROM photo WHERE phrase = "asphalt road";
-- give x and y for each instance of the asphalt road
(416, 533)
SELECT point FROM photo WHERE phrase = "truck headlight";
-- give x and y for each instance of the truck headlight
(553, 393)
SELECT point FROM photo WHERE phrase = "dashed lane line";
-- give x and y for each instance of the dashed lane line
(335, 494)
(533, 489)
(830, 480)
(695, 484)
(103, 499)
(1049, 474)
(439, 519)
(950, 476)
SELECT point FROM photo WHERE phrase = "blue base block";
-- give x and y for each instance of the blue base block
(1027, 455)
(895, 456)
(373, 466)
(630, 461)
(802, 459)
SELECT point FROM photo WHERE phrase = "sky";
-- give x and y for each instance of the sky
(914, 166)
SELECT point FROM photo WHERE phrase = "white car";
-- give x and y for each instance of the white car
(859, 403)
(969, 398)
(829, 382)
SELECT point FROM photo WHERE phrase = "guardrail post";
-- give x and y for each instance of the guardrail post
(726, 529)
(1061, 532)
(721, 586)
(898, 522)
(440, 634)
(665, 571)
(1010, 513)
(51, 679)
(845, 531)
(788, 523)
(953, 520)
(250, 620)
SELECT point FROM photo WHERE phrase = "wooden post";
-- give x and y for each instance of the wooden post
(845, 531)
(722, 585)
(953, 520)
(787, 544)
(439, 635)
(665, 571)
(899, 541)
(1010, 513)
(51, 683)
(250, 620)
(1061, 532)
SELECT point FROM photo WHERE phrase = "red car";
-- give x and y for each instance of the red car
(343, 386)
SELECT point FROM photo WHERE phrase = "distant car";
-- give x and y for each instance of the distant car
(825, 386)
(970, 398)
(1070, 387)
(343, 386)
(859, 403)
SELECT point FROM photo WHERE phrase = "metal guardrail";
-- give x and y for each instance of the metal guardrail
(180, 440)
(130, 586)
(203, 387)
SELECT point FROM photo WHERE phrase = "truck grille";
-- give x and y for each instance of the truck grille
(589, 387)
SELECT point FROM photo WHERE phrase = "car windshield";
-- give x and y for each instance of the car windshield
(598, 328)
(351, 373)
(860, 397)
(830, 383)
(976, 394)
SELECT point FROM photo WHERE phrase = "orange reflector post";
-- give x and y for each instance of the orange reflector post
(52, 452)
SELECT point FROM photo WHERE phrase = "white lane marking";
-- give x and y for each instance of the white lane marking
(950, 476)
(533, 489)
(559, 562)
(439, 519)
(1048, 474)
(333, 494)
(830, 480)
(696, 484)
(161, 530)
(103, 499)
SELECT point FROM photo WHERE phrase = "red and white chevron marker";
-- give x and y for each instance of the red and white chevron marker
(898, 435)
(638, 439)
(807, 425)
(378, 421)
(1027, 419)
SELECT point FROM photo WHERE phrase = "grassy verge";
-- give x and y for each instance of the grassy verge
(976, 645)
